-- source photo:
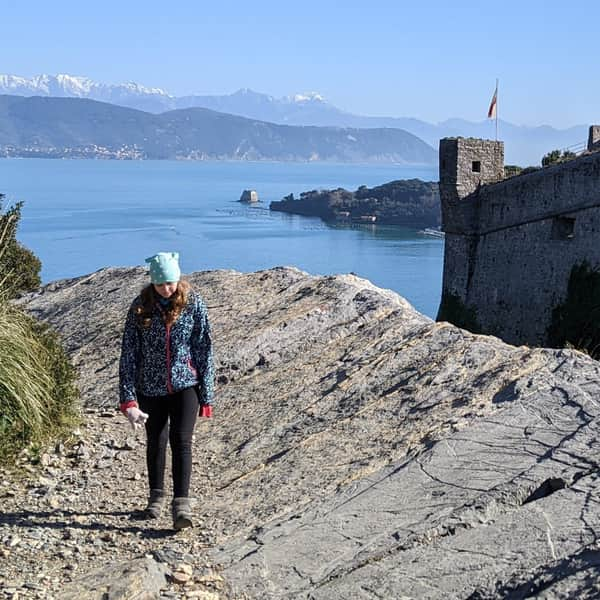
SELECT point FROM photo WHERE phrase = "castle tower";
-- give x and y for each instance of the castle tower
(593, 144)
(465, 165)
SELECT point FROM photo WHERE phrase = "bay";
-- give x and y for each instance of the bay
(82, 215)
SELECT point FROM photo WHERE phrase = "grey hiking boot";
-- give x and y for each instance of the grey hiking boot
(182, 513)
(156, 503)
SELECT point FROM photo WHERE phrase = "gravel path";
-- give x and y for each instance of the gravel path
(77, 506)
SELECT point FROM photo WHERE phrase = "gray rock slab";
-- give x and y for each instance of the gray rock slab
(576, 576)
(137, 579)
(481, 498)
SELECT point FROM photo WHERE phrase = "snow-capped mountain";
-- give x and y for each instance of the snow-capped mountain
(134, 95)
(304, 98)
(128, 94)
(70, 86)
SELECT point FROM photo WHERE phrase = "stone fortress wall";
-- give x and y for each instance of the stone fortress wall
(511, 243)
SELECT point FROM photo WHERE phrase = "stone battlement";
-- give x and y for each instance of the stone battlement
(511, 244)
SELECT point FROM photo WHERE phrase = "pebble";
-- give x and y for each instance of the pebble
(53, 501)
(185, 568)
(180, 577)
(45, 459)
(81, 519)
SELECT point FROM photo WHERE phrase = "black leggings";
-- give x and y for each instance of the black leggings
(170, 418)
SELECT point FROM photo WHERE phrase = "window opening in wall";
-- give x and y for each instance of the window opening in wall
(443, 163)
(476, 166)
(563, 228)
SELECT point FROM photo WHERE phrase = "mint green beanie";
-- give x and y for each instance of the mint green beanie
(164, 267)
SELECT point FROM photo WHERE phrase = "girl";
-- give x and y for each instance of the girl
(166, 377)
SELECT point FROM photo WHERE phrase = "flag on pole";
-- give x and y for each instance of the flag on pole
(492, 109)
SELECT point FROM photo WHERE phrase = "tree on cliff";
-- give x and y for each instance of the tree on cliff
(19, 266)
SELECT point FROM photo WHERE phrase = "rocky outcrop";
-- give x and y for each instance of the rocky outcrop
(249, 196)
(358, 450)
(409, 202)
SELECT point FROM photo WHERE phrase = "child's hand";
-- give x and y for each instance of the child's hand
(136, 417)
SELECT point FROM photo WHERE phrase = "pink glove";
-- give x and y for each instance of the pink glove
(136, 417)
(205, 411)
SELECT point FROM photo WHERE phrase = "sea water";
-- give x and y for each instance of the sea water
(82, 215)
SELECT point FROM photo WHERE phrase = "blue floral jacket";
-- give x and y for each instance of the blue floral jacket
(158, 360)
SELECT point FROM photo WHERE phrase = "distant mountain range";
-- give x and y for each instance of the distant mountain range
(523, 145)
(78, 127)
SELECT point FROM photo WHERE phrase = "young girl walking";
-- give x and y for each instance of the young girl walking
(166, 378)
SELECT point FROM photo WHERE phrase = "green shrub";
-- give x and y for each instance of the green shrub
(38, 396)
(556, 156)
(37, 383)
(576, 322)
(63, 394)
(19, 267)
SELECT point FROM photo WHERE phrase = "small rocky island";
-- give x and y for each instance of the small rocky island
(409, 202)
(249, 197)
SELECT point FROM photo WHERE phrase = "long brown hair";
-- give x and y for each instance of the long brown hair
(149, 299)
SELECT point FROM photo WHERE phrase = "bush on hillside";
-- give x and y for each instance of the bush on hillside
(37, 382)
(19, 266)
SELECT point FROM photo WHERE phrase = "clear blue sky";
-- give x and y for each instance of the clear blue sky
(426, 59)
